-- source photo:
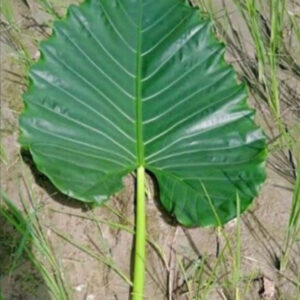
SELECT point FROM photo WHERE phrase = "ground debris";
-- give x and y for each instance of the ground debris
(266, 288)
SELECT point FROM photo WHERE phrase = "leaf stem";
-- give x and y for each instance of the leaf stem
(140, 238)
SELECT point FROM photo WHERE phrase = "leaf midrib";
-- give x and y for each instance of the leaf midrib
(138, 86)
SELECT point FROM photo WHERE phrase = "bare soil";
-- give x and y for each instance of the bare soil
(262, 232)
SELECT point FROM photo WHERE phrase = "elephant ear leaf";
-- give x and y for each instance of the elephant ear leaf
(128, 83)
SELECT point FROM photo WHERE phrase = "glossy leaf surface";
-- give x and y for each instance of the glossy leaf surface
(123, 83)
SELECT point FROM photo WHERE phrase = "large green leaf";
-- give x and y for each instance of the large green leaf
(123, 83)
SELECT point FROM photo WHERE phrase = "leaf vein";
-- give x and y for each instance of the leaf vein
(96, 66)
(104, 49)
(115, 28)
(82, 143)
(91, 85)
(84, 126)
(183, 44)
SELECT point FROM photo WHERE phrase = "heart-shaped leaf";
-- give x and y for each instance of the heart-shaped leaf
(128, 83)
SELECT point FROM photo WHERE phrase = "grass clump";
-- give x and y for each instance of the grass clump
(33, 237)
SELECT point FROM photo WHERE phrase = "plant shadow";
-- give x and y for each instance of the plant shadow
(270, 246)
(155, 190)
(53, 192)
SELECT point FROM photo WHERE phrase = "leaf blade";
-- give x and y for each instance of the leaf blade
(166, 101)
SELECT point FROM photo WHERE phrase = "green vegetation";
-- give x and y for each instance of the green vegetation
(28, 225)
(263, 42)
(86, 147)
(293, 229)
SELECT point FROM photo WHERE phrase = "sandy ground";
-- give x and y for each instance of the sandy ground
(263, 227)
